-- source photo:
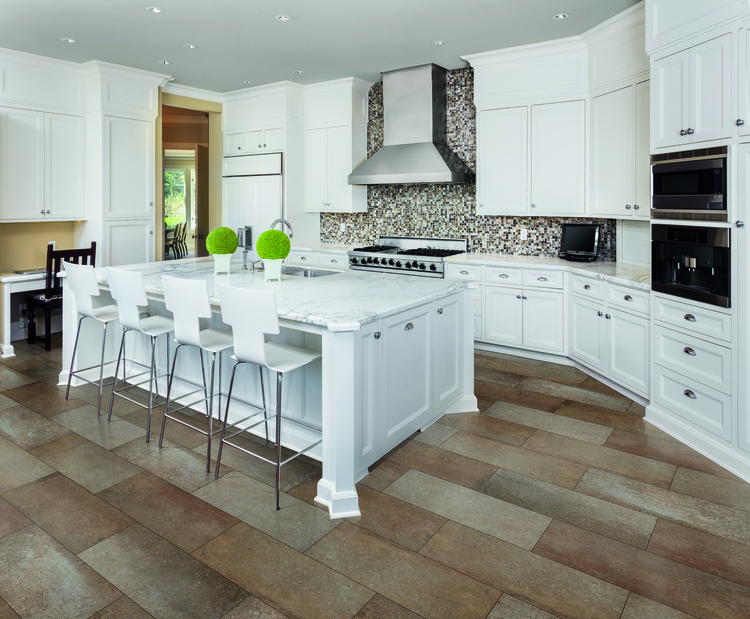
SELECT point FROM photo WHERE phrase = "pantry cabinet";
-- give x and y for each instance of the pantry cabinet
(692, 100)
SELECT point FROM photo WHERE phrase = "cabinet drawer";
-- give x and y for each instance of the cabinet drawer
(543, 279)
(587, 287)
(628, 299)
(304, 257)
(700, 405)
(464, 271)
(695, 359)
(333, 261)
(693, 318)
(504, 277)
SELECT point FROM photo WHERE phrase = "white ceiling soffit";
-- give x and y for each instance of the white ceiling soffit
(239, 40)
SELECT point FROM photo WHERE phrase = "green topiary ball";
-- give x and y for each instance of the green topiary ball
(222, 241)
(273, 245)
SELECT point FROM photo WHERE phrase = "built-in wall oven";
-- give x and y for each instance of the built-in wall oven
(692, 262)
(690, 185)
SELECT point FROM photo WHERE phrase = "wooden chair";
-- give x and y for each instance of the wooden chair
(182, 242)
(170, 241)
(51, 297)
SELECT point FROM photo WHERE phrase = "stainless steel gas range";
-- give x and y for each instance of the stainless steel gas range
(404, 255)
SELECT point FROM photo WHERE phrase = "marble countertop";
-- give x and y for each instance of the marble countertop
(342, 302)
(10, 277)
(616, 272)
(333, 248)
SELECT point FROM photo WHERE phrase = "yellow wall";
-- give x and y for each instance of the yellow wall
(25, 245)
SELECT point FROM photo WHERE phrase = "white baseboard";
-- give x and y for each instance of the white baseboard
(523, 353)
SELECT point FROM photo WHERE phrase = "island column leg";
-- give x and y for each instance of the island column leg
(336, 488)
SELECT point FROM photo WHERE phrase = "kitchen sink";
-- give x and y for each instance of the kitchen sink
(306, 272)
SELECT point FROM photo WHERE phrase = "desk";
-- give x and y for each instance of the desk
(10, 283)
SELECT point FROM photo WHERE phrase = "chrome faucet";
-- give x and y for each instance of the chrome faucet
(282, 222)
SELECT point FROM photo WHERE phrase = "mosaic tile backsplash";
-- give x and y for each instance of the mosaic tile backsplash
(448, 210)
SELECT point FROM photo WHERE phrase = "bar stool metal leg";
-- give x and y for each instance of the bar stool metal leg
(226, 416)
(73, 358)
(117, 371)
(210, 412)
(263, 395)
(150, 388)
(101, 371)
(279, 376)
(169, 393)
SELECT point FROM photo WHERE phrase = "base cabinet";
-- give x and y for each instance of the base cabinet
(588, 334)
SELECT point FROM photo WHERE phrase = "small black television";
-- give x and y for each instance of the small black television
(579, 242)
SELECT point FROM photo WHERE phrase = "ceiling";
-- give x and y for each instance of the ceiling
(327, 39)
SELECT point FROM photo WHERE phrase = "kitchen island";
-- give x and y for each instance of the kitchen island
(397, 353)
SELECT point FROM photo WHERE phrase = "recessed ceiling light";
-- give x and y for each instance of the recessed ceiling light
(164, 62)
(297, 71)
(283, 17)
(561, 16)
(154, 9)
(67, 40)
(248, 82)
(438, 42)
(189, 46)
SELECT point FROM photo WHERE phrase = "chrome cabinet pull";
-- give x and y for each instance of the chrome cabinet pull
(628, 297)
(690, 394)
(440, 310)
(503, 276)
(377, 335)
(409, 326)
(690, 318)
(600, 313)
(607, 316)
(689, 351)
(303, 258)
(739, 122)
(334, 261)
(464, 272)
(586, 287)
(541, 279)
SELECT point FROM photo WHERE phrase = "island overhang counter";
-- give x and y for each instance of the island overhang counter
(397, 353)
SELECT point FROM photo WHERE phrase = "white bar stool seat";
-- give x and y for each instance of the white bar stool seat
(130, 294)
(252, 315)
(83, 284)
(188, 301)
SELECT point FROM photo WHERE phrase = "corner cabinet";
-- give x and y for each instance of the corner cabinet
(42, 165)
(531, 160)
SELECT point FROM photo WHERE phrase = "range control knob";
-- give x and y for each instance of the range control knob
(433, 267)
(355, 261)
(422, 266)
(384, 261)
(391, 262)
(398, 263)
(408, 265)
(369, 260)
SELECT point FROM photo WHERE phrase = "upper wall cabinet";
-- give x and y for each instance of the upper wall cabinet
(128, 168)
(41, 166)
(743, 120)
(692, 99)
(531, 160)
(254, 142)
(620, 167)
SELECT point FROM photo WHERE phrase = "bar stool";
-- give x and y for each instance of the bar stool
(130, 294)
(83, 284)
(250, 346)
(187, 299)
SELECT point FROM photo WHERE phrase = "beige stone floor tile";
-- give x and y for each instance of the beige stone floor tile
(547, 387)
(565, 374)
(435, 435)
(97, 429)
(252, 608)
(380, 607)
(482, 512)
(639, 607)
(29, 429)
(49, 374)
(22, 360)
(488, 426)
(123, 608)
(712, 488)
(509, 607)
(19, 467)
(498, 377)
(11, 519)
(383, 473)
(10, 379)
(512, 358)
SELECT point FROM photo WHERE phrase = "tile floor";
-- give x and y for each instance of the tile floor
(558, 500)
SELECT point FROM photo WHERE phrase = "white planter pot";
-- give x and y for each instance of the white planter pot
(272, 270)
(222, 263)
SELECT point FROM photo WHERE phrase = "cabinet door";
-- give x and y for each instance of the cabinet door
(670, 104)
(273, 139)
(64, 157)
(744, 61)
(316, 169)
(587, 333)
(252, 142)
(628, 362)
(503, 316)
(21, 164)
(742, 295)
(543, 320)
(642, 206)
(502, 161)
(558, 158)
(447, 328)
(367, 382)
(128, 242)
(128, 168)
(407, 361)
(711, 90)
(231, 195)
(233, 144)
(339, 168)
(613, 155)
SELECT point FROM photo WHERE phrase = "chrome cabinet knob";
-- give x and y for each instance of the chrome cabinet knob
(524, 297)
(739, 122)
(481, 205)
(47, 211)
(690, 131)
(440, 310)
(464, 272)
(533, 205)
(264, 146)
(376, 335)
(518, 296)
(607, 316)
(239, 148)
(600, 313)
(636, 207)
(683, 132)
(627, 206)
(42, 211)
(739, 224)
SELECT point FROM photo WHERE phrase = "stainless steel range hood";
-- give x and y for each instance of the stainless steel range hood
(415, 149)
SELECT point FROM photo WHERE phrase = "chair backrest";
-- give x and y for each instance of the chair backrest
(128, 290)
(187, 299)
(183, 231)
(55, 257)
(82, 282)
(251, 314)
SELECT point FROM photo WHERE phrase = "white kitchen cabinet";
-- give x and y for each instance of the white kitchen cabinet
(588, 334)
(447, 317)
(558, 158)
(128, 168)
(128, 241)
(328, 163)
(252, 201)
(629, 354)
(503, 312)
(254, 142)
(532, 160)
(693, 94)
(367, 382)
(41, 166)
(743, 121)
(502, 161)
(620, 166)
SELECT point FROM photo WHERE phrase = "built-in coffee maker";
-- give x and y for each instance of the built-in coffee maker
(692, 262)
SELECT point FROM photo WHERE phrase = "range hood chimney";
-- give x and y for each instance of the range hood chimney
(414, 148)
